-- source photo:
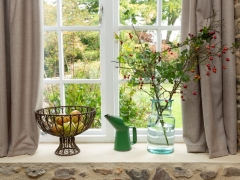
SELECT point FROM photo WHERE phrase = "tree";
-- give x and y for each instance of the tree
(171, 11)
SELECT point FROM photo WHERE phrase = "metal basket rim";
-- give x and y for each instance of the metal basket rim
(37, 111)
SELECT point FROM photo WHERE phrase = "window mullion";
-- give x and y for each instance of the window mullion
(60, 52)
(107, 56)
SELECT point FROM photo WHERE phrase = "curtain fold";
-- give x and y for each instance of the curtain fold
(210, 118)
(20, 75)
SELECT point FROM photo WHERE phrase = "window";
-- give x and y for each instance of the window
(79, 50)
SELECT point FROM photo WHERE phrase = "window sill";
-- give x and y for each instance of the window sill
(103, 152)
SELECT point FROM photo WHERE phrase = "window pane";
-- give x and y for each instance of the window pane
(50, 12)
(131, 45)
(135, 105)
(85, 95)
(51, 63)
(174, 38)
(80, 12)
(171, 12)
(81, 55)
(139, 12)
(51, 95)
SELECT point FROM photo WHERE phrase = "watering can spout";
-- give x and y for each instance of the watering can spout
(117, 123)
(122, 137)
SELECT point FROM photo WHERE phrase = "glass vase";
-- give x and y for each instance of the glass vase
(161, 129)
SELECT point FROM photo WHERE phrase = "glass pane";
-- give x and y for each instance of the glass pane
(138, 12)
(80, 12)
(131, 45)
(50, 12)
(174, 38)
(81, 55)
(135, 105)
(76, 95)
(171, 12)
(51, 95)
(51, 63)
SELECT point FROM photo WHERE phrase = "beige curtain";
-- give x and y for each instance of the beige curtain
(209, 119)
(20, 75)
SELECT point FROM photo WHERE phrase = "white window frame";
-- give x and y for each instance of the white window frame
(109, 81)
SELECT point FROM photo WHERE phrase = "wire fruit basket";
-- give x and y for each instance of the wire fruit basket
(65, 122)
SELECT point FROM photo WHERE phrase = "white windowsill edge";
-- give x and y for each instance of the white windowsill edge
(104, 152)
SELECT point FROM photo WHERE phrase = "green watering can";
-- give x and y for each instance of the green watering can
(122, 138)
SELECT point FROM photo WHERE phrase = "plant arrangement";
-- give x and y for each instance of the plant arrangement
(141, 65)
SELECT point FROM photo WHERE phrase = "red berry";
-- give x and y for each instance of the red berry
(166, 100)
(181, 96)
(140, 78)
(124, 76)
(153, 77)
(181, 92)
(130, 35)
(219, 55)
(225, 48)
(215, 37)
(130, 55)
(183, 99)
(194, 93)
(209, 68)
(227, 59)
(185, 86)
(192, 71)
(208, 65)
(214, 69)
(207, 73)
(211, 58)
(213, 46)
(208, 47)
(224, 67)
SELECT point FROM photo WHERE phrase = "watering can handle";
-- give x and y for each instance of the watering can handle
(134, 134)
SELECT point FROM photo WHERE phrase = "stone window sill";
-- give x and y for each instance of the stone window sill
(103, 152)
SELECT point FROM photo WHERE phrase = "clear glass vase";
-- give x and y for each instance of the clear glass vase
(161, 137)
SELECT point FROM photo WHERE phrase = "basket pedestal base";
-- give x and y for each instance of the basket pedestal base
(67, 147)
